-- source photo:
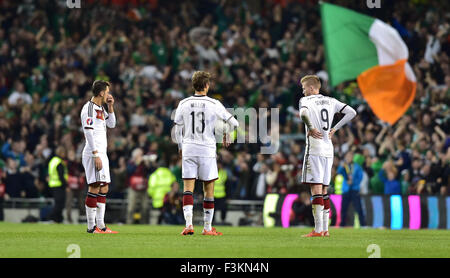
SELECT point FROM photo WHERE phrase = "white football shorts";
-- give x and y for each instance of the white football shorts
(92, 175)
(317, 169)
(201, 168)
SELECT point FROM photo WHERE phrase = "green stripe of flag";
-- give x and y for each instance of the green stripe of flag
(348, 49)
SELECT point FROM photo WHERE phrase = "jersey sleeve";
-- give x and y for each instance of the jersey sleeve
(338, 106)
(178, 119)
(87, 119)
(110, 119)
(222, 112)
(87, 122)
(302, 107)
(302, 104)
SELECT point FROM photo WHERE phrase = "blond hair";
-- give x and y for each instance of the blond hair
(311, 79)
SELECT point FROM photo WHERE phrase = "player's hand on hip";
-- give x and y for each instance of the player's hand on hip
(315, 133)
(98, 164)
(332, 131)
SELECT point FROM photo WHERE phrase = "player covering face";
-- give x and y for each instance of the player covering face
(95, 120)
(317, 112)
(195, 120)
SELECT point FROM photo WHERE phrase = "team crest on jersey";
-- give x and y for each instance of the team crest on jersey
(89, 121)
(99, 114)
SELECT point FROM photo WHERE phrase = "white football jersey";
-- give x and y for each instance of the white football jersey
(321, 110)
(198, 114)
(94, 117)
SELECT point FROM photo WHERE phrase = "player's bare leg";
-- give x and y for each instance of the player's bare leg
(326, 210)
(101, 208)
(91, 206)
(208, 209)
(317, 208)
(188, 205)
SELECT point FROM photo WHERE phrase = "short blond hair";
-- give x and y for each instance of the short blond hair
(311, 79)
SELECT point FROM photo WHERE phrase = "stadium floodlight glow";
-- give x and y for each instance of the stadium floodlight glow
(378, 211)
(337, 202)
(270, 206)
(286, 209)
(396, 212)
(433, 212)
(414, 212)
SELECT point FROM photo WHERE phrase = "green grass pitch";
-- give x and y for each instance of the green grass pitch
(143, 241)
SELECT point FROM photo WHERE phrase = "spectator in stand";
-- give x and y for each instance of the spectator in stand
(75, 188)
(159, 184)
(119, 176)
(260, 185)
(220, 193)
(364, 185)
(13, 180)
(57, 181)
(352, 174)
(172, 211)
(138, 170)
(19, 97)
(406, 182)
(376, 184)
(388, 176)
(15, 149)
(272, 177)
(302, 210)
(29, 175)
(241, 170)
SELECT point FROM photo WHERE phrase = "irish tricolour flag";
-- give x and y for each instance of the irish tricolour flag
(360, 47)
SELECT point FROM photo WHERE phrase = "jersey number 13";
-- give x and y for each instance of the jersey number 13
(201, 115)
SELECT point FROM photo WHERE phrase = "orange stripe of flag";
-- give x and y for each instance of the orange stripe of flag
(387, 90)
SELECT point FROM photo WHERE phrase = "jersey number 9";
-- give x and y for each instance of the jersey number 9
(324, 116)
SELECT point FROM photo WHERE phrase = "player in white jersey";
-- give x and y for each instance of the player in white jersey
(95, 120)
(317, 112)
(195, 120)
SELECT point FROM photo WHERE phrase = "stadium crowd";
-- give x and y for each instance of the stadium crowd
(256, 50)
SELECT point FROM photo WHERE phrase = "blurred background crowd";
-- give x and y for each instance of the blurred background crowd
(256, 50)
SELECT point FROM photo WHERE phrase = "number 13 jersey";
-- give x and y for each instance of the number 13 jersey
(197, 115)
(321, 110)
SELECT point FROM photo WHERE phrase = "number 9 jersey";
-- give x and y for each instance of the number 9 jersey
(321, 110)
